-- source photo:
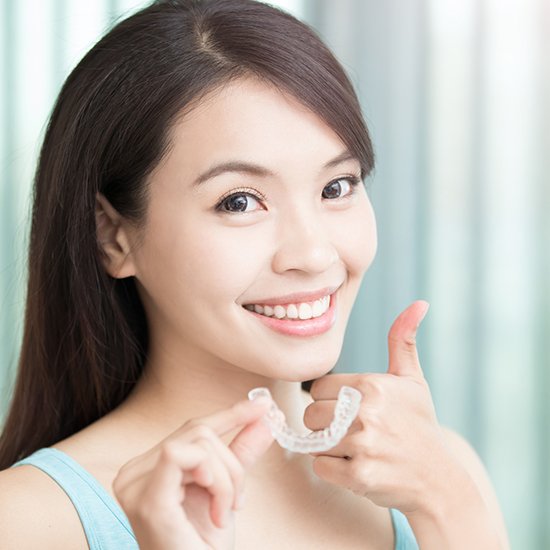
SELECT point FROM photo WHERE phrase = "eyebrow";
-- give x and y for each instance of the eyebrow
(257, 170)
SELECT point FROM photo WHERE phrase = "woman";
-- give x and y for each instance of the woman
(200, 228)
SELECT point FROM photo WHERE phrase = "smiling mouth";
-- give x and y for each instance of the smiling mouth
(300, 311)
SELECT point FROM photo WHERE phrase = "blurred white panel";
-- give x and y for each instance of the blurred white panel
(337, 35)
(26, 99)
(125, 8)
(295, 7)
(5, 272)
(509, 142)
(32, 57)
(401, 156)
(451, 122)
(3, 91)
(34, 87)
(85, 23)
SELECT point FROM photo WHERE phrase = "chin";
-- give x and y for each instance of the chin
(309, 369)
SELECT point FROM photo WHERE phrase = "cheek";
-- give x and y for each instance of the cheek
(219, 263)
(358, 239)
(179, 265)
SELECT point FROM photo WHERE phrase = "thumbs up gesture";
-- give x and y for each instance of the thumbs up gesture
(403, 355)
(394, 452)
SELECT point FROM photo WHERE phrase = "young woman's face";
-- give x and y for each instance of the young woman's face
(257, 203)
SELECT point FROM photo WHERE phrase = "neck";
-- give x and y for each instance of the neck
(172, 391)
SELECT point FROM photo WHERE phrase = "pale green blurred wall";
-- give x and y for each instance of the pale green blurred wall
(456, 95)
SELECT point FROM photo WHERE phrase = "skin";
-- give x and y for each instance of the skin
(196, 267)
(292, 240)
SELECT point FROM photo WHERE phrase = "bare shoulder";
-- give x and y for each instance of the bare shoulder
(36, 513)
(471, 461)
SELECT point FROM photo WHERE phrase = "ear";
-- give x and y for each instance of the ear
(113, 239)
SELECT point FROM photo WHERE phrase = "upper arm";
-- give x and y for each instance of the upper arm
(469, 459)
(36, 513)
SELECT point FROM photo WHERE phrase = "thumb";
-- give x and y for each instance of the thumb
(403, 355)
(252, 441)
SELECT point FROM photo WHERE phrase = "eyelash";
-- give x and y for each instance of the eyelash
(250, 191)
(354, 181)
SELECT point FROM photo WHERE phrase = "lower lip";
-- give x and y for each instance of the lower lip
(297, 327)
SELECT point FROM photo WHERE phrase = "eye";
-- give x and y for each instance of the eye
(241, 202)
(340, 187)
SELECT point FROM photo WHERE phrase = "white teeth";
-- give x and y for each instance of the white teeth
(302, 311)
(318, 308)
(292, 311)
(279, 312)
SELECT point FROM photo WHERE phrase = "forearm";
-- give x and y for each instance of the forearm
(456, 519)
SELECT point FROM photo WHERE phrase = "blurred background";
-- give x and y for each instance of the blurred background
(457, 98)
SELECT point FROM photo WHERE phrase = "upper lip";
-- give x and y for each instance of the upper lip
(297, 297)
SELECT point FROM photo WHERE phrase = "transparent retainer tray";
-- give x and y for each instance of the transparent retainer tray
(347, 407)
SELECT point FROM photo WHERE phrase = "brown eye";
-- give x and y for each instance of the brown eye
(338, 188)
(238, 203)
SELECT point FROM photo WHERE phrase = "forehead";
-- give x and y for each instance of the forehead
(251, 120)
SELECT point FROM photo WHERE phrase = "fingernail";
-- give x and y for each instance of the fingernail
(427, 307)
(261, 400)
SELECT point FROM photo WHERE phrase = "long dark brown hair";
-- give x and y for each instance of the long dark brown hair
(85, 338)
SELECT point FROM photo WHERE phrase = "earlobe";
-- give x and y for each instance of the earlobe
(113, 240)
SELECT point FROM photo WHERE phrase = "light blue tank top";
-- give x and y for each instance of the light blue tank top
(105, 524)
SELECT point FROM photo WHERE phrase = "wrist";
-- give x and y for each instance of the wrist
(453, 514)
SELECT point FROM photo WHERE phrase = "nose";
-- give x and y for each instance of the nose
(304, 244)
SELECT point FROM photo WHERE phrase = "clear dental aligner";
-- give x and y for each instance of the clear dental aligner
(347, 407)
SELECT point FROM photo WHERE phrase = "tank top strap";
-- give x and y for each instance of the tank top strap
(105, 524)
(404, 536)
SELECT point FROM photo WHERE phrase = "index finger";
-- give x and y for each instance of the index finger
(241, 413)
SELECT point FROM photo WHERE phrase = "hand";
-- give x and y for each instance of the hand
(181, 494)
(395, 446)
